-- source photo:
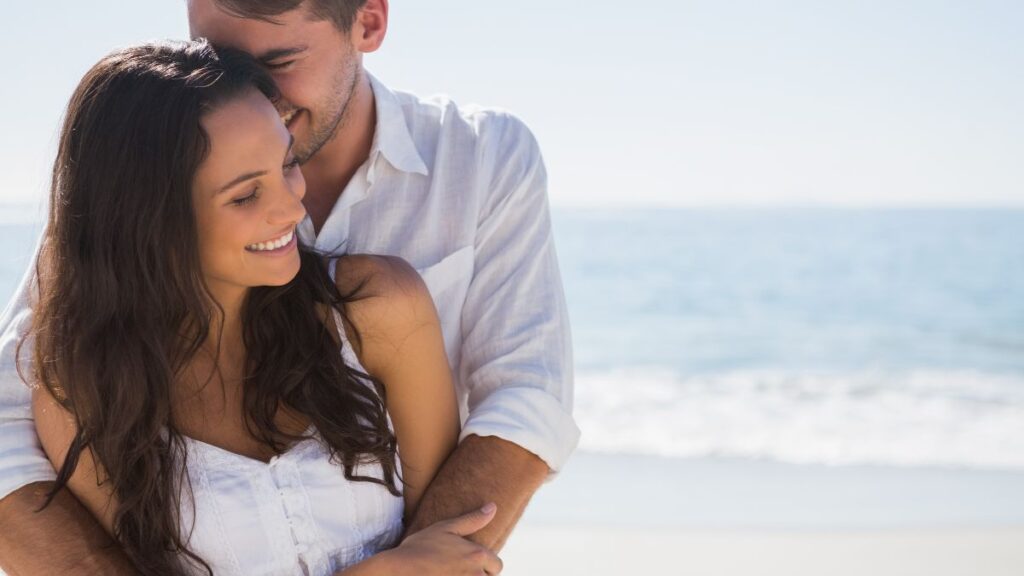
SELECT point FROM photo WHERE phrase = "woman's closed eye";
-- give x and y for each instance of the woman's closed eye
(254, 195)
(248, 199)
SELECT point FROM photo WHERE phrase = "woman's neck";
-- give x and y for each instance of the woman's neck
(225, 340)
(220, 361)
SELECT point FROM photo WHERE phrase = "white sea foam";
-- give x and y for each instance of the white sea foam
(915, 418)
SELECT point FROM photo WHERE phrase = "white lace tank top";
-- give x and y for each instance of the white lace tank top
(294, 515)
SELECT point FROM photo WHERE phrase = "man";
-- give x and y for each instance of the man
(459, 193)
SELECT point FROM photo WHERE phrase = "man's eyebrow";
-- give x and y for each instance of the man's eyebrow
(278, 53)
(239, 180)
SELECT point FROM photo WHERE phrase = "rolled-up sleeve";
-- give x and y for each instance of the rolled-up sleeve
(22, 460)
(516, 359)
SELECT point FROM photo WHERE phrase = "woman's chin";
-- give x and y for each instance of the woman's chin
(281, 277)
(285, 279)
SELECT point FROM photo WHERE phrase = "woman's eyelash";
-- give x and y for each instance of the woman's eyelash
(256, 192)
(246, 199)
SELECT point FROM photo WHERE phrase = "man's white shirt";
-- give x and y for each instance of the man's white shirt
(461, 194)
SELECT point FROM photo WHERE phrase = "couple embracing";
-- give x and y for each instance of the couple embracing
(282, 319)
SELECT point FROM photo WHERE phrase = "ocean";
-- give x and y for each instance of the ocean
(808, 336)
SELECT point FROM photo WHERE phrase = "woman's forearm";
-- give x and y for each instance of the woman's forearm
(377, 565)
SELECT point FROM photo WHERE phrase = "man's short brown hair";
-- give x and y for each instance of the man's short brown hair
(341, 12)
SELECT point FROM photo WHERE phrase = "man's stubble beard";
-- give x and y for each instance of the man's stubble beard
(324, 132)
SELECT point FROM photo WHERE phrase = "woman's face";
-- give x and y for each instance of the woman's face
(247, 195)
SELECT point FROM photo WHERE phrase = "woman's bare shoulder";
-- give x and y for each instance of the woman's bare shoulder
(369, 275)
(387, 301)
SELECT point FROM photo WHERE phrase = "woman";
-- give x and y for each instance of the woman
(191, 391)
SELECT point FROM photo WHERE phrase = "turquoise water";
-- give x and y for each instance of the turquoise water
(705, 291)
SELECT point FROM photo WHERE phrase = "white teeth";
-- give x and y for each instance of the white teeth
(286, 118)
(273, 244)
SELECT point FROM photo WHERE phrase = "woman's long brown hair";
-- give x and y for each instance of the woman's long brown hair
(122, 306)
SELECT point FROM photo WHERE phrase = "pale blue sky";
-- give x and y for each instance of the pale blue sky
(663, 103)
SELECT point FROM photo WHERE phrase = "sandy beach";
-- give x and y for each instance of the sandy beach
(567, 551)
(614, 515)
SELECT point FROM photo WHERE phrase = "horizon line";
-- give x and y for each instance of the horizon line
(40, 206)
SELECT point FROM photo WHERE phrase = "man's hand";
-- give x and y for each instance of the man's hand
(481, 470)
(64, 538)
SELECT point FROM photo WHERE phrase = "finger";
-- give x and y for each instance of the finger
(471, 522)
(493, 565)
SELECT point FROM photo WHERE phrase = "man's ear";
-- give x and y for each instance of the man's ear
(370, 26)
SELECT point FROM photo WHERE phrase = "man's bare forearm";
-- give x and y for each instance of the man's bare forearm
(64, 538)
(483, 469)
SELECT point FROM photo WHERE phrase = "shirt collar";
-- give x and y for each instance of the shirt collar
(392, 138)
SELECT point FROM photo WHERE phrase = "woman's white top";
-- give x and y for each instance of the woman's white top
(294, 515)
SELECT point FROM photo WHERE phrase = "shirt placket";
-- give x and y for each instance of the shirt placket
(285, 477)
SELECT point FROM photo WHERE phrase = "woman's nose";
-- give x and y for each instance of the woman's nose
(289, 208)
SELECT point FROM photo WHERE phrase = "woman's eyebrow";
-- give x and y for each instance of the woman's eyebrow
(239, 180)
(251, 175)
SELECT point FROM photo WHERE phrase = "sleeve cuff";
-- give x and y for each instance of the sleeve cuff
(22, 462)
(530, 418)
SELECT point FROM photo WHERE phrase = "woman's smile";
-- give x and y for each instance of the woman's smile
(280, 245)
